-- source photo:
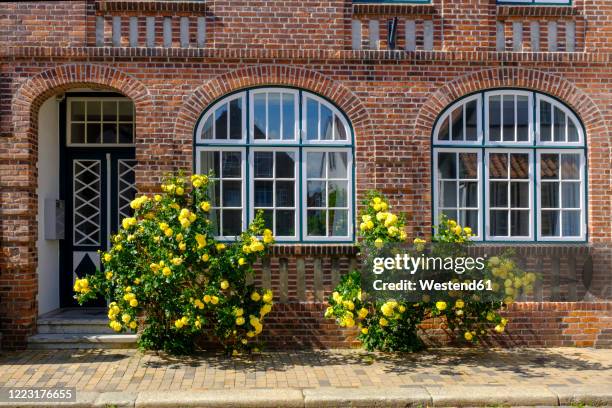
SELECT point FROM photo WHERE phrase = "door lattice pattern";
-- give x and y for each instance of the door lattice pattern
(86, 196)
(126, 182)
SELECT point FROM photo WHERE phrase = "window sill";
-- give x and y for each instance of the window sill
(395, 9)
(301, 249)
(535, 11)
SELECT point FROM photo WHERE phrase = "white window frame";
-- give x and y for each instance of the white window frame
(296, 178)
(221, 150)
(569, 115)
(530, 181)
(514, 93)
(535, 2)
(349, 179)
(100, 99)
(447, 115)
(211, 111)
(436, 192)
(296, 111)
(335, 112)
(583, 203)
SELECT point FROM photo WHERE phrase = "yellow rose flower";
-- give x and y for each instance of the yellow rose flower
(224, 284)
(207, 298)
(125, 318)
(205, 206)
(133, 302)
(364, 330)
(383, 322)
(468, 336)
(240, 321)
(205, 257)
(459, 304)
(133, 324)
(179, 190)
(441, 305)
(255, 297)
(166, 271)
(214, 300)
(107, 257)
(241, 261)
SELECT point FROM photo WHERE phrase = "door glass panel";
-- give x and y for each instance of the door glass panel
(126, 186)
(86, 191)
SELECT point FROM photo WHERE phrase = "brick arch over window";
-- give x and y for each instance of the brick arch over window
(195, 104)
(18, 306)
(597, 133)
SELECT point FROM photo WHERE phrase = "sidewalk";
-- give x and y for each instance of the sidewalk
(447, 377)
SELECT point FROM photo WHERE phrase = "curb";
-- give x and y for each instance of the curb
(406, 396)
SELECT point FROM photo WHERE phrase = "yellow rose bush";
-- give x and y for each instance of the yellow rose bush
(393, 324)
(167, 275)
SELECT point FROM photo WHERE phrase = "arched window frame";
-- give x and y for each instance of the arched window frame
(300, 145)
(529, 152)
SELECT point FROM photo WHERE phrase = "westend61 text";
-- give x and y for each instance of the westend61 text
(431, 285)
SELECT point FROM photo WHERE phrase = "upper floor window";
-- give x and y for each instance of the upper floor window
(100, 121)
(511, 165)
(536, 2)
(283, 151)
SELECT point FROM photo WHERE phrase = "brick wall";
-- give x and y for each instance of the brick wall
(391, 98)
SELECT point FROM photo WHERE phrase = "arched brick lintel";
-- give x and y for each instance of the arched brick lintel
(597, 133)
(258, 75)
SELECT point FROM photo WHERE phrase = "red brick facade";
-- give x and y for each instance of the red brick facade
(392, 99)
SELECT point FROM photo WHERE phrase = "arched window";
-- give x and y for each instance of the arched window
(511, 165)
(284, 151)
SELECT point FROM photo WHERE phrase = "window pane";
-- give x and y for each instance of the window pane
(94, 133)
(469, 219)
(572, 132)
(77, 132)
(274, 115)
(448, 193)
(77, 111)
(550, 223)
(499, 223)
(339, 129)
(571, 223)
(285, 193)
(207, 132)
(285, 165)
(337, 193)
(232, 163)
(126, 111)
(550, 194)
(236, 119)
(570, 166)
(215, 216)
(209, 162)
(312, 119)
(316, 222)
(494, 118)
(443, 132)
(315, 194)
(216, 194)
(326, 123)
(498, 194)
(450, 214)
(522, 118)
(519, 223)
(263, 164)
(519, 195)
(545, 121)
(519, 166)
(338, 165)
(549, 166)
(338, 223)
(570, 192)
(232, 222)
(109, 111)
(232, 193)
(94, 111)
(221, 122)
(559, 125)
(447, 165)
(315, 165)
(109, 132)
(498, 165)
(285, 223)
(468, 194)
(509, 118)
(264, 193)
(471, 120)
(259, 115)
(468, 165)
(126, 133)
(288, 117)
(457, 123)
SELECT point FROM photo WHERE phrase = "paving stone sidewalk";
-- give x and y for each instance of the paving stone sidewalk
(104, 371)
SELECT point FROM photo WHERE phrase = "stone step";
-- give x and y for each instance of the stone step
(59, 325)
(81, 341)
